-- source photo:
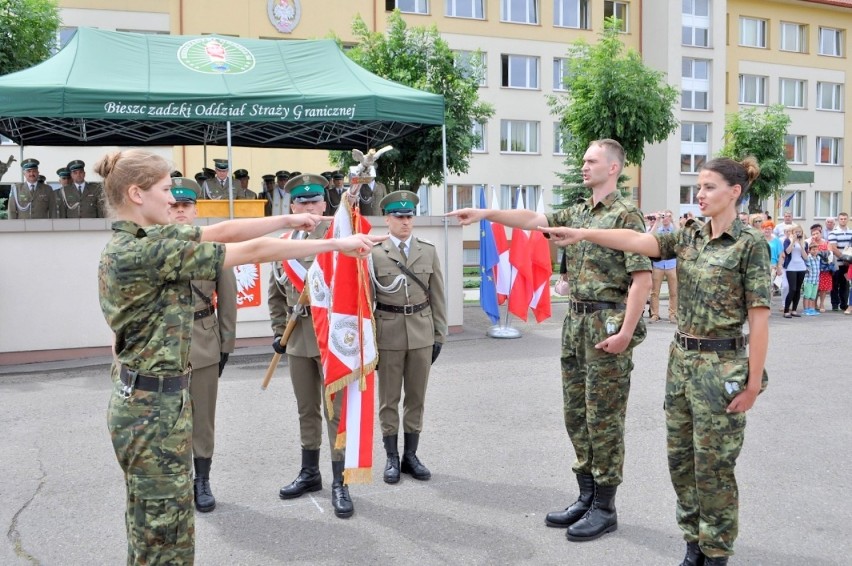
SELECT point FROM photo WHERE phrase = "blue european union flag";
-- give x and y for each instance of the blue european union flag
(488, 259)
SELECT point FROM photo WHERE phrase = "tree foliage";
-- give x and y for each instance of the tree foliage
(610, 94)
(420, 58)
(27, 33)
(760, 134)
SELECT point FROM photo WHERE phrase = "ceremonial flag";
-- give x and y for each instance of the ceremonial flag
(343, 320)
(542, 269)
(503, 271)
(488, 260)
(294, 269)
(521, 293)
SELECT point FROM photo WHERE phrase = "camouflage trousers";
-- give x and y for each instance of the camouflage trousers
(704, 442)
(152, 438)
(595, 386)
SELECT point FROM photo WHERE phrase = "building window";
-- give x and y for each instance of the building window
(792, 93)
(424, 207)
(560, 71)
(752, 32)
(518, 136)
(797, 203)
(829, 151)
(571, 14)
(752, 89)
(519, 71)
(695, 84)
(794, 148)
(694, 148)
(480, 131)
(826, 204)
(461, 196)
(465, 9)
(695, 23)
(619, 10)
(829, 96)
(408, 6)
(519, 11)
(831, 42)
(794, 37)
(689, 194)
(560, 139)
(509, 195)
(473, 65)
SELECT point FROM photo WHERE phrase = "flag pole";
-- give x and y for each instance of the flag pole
(504, 331)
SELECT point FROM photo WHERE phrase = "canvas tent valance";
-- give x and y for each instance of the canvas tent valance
(118, 88)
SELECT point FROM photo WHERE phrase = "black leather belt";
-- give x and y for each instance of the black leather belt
(710, 344)
(133, 380)
(205, 313)
(583, 307)
(402, 309)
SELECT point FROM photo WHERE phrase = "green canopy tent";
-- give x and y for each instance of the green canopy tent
(117, 88)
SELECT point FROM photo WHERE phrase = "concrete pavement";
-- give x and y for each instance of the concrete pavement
(493, 438)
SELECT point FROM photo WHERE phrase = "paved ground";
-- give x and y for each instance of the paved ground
(494, 440)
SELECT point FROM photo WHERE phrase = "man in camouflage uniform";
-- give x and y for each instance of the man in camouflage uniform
(81, 199)
(31, 199)
(305, 193)
(213, 335)
(603, 325)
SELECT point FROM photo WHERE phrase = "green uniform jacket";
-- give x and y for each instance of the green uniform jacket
(370, 201)
(397, 331)
(214, 334)
(212, 190)
(283, 296)
(71, 203)
(24, 204)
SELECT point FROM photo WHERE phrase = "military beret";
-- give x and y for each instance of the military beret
(306, 188)
(176, 173)
(185, 190)
(221, 164)
(268, 178)
(400, 203)
(241, 174)
(283, 174)
(76, 165)
(63, 173)
(29, 164)
(337, 175)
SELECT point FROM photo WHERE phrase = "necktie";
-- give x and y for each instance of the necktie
(402, 252)
(80, 188)
(32, 187)
(221, 182)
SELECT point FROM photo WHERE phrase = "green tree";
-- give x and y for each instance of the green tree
(610, 94)
(761, 134)
(27, 33)
(419, 58)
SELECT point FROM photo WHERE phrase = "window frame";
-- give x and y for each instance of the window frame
(391, 4)
(801, 37)
(838, 42)
(837, 96)
(506, 68)
(582, 13)
(800, 93)
(560, 71)
(453, 198)
(693, 152)
(559, 139)
(507, 129)
(692, 87)
(480, 129)
(835, 198)
(462, 60)
(531, 6)
(760, 32)
(451, 5)
(610, 9)
(799, 145)
(834, 148)
(763, 82)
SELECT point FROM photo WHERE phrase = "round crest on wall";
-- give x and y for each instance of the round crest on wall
(284, 14)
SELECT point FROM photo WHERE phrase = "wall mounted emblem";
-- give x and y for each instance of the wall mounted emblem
(284, 14)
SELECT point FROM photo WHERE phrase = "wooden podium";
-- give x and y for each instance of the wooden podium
(220, 208)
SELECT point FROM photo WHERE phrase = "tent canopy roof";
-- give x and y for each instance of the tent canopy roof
(119, 88)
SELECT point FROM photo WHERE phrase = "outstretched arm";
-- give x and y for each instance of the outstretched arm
(518, 218)
(614, 238)
(243, 229)
(261, 250)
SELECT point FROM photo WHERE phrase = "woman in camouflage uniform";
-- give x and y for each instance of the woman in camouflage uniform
(712, 380)
(144, 284)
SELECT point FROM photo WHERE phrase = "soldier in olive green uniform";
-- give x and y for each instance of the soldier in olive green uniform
(411, 326)
(218, 185)
(213, 335)
(81, 199)
(241, 191)
(712, 380)
(303, 355)
(603, 325)
(334, 192)
(145, 295)
(31, 199)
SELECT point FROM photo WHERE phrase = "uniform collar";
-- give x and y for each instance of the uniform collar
(129, 227)
(734, 231)
(606, 202)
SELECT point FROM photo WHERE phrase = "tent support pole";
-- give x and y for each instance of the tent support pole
(445, 218)
(230, 169)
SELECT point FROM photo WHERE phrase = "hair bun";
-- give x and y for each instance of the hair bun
(752, 168)
(106, 165)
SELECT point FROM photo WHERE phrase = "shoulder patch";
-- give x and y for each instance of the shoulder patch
(424, 241)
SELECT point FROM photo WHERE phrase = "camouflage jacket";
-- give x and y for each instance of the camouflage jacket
(597, 273)
(718, 279)
(144, 285)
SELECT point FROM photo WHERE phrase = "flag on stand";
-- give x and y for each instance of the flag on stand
(488, 260)
(339, 286)
(521, 293)
(503, 270)
(542, 269)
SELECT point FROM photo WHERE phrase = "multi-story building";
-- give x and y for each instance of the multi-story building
(725, 55)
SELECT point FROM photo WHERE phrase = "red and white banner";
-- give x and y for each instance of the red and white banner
(248, 285)
(295, 271)
(339, 287)
(542, 269)
(504, 268)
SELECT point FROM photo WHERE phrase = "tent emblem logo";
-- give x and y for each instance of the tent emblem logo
(284, 14)
(216, 56)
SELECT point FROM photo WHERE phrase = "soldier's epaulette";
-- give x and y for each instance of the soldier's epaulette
(424, 241)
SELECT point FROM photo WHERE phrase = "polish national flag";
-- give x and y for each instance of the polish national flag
(504, 268)
(521, 293)
(542, 269)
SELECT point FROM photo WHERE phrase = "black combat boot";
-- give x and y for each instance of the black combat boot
(309, 478)
(392, 467)
(340, 499)
(693, 557)
(601, 518)
(718, 561)
(410, 463)
(573, 513)
(204, 500)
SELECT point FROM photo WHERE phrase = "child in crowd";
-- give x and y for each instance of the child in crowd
(811, 281)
